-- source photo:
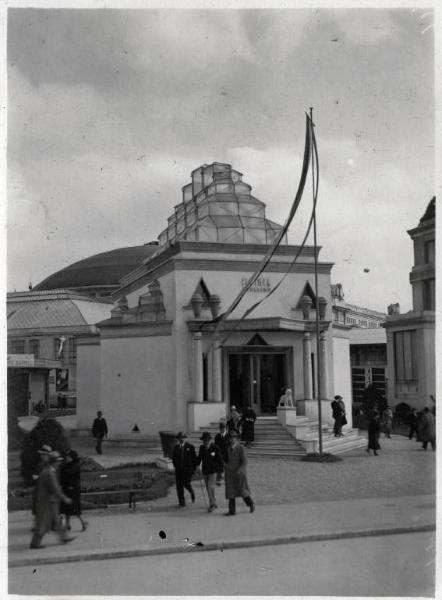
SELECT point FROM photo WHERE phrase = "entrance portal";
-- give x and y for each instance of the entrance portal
(256, 379)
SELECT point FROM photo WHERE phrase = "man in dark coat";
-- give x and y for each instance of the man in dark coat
(427, 429)
(247, 424)
(338, 413)
(184, 461)
(210, 457)
(236, 475)
(99, 431)
(47, 502)
(222, 441)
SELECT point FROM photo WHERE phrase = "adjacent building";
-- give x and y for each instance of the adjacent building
(411, 336)
(43, 328)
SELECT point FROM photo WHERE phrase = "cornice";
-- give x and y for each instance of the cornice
(258, 324)
(129, 330)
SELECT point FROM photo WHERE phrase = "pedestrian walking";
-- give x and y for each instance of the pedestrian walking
(70, 481)
(99, 431)
(209, 457)
(387, 421)
(184, 461)
(236, 475)
(247, 424)
(286, 399)
(427, 429)
(234, 418)
(47, 503)
(413, 422)
(222, 441)
(338, 413)
(374, 431)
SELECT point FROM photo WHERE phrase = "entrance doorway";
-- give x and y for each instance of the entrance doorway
(256, 379)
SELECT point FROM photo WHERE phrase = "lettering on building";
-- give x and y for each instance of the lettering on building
(262, 284)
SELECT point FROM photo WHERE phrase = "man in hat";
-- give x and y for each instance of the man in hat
(210, 457)
(222, 441)
(338, 413)
(99, 431)
(184, 462)
(47, 502)
(236, 475)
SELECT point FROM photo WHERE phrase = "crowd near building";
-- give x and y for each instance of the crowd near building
(136, 332)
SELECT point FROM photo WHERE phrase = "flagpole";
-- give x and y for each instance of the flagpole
(318, 354)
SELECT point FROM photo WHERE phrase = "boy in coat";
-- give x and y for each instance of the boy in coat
(210, 457)
(184, 462)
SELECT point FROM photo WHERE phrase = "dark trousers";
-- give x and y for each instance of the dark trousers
(99, 439)
(432, 442)
(232, 504)
(338, 426)
(183, 481)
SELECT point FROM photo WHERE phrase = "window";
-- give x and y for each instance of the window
(60, 348)
(18, 346)
(429, 294)
(34, 347)
(405, 356)
(429, 251)
(72, 349)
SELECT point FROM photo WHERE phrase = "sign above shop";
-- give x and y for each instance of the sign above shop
(262, 284)
(21, 360)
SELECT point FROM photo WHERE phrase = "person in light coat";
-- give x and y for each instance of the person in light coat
(47, 502)
(235, 475)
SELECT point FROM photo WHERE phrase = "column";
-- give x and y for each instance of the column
(306, 348)
(217, 370)
(210, 390)
(198, 367)
(323, 366)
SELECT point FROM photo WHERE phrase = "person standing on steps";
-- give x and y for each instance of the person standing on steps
(236, 475)
(222, 441)
(338, 413)
(247, 424)
(99, 431)
(209, 457)
(184, 461)
(47, 503)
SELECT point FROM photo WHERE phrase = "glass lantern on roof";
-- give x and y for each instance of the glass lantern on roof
(218, 206)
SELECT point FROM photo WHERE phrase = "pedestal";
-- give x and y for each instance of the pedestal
(309, 408)
(286, 415)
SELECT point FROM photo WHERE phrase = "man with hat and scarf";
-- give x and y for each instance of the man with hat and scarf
(236, 475)
(184, 462)
(47, 502)
(210, 457)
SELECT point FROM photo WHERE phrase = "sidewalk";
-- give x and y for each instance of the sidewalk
(125, 533)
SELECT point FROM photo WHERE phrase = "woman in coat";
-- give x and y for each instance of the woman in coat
(247, 424)
(70, 480)
(236, 475)
(374, 431)
(387, 421)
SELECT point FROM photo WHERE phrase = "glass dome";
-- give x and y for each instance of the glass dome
(218, 206)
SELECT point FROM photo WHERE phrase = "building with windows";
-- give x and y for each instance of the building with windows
(411, 336)
(43, 328)
(164, 361)
(368, 346)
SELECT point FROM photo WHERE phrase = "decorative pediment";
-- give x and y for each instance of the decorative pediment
(203, 291)
(307, 292)
(257, 340)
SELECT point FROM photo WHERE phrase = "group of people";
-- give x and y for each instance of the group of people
(223, 456)
(423, 426)
(56, 495)
(244, 424)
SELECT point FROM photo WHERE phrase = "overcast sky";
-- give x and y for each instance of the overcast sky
(110, 111)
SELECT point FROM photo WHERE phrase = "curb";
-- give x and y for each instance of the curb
(219, 546)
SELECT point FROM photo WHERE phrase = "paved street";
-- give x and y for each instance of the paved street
(357, 567)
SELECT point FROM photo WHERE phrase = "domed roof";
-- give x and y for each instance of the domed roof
(100, 270)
